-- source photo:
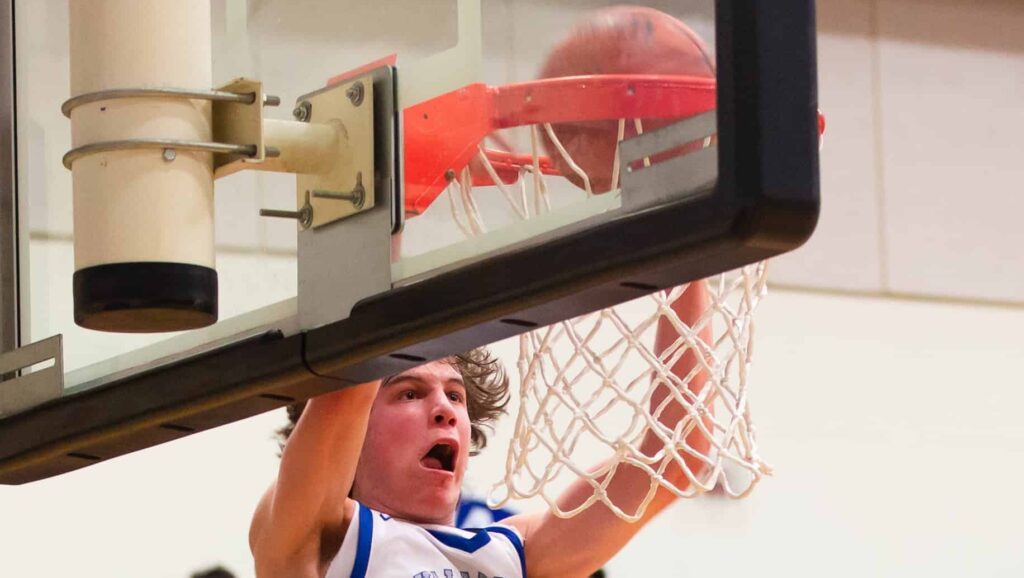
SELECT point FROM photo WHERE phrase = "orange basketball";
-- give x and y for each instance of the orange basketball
(619, 40)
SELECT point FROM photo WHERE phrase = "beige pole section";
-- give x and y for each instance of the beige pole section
(306, 148)
(303, 148)
(135, 207)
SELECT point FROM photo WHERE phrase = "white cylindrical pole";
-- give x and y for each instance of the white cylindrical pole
(144, 257)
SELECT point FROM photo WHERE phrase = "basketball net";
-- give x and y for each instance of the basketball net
(586, 384)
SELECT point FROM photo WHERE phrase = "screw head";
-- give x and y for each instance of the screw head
(302, 111)
(170, 155)
(306, 216)
(355, 93)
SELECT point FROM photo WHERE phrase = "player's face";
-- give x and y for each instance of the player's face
(417, 445)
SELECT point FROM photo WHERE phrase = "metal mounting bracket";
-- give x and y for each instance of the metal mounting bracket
(649, 179)
(239, 123)
(342, 263)
(349, 187)
(21, 390)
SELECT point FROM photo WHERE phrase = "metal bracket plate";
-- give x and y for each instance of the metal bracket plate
(350, 105)
(688, 174)
(344, 263)
(21, 392)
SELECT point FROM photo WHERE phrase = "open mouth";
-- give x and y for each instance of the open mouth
(440, 457)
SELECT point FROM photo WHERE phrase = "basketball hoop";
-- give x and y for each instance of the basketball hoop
(586, 384)
(445, 134)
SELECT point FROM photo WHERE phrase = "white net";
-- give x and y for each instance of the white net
(659, 384)
(643, 385)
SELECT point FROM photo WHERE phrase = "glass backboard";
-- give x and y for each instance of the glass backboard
(518, 162)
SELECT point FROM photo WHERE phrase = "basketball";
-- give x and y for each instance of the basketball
(619, 40)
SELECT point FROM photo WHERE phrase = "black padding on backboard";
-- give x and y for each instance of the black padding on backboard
(144, 410)
(768, 116)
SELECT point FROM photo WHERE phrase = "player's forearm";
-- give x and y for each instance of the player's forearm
(319, 463)
(578, 546)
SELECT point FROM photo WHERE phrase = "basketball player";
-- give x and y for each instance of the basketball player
(369, 483)
(369, 479)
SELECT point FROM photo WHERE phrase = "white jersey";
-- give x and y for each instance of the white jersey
(379, 546)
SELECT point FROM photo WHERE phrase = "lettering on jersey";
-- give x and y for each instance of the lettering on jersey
(449, 573)
(384, 516)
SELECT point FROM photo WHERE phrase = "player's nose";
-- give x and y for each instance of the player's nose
(443, 412)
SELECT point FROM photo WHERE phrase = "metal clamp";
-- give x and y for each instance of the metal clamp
(237, 123)
(183, 93)
(156, 143)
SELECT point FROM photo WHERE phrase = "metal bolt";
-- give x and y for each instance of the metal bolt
(304, 215)
(170, 155)
(355, 93)
(303, 111)
(449, 175)
(357, 196)
(271, 100)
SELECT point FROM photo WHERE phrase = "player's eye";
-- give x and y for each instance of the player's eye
(455, 396)
(407, 394)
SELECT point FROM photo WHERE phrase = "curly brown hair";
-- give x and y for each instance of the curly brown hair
(486, 396)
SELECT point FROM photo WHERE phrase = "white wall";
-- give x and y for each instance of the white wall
(886, 380)
(893, 430)
(921, 177)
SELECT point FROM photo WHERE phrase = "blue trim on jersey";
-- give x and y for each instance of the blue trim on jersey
(468, 506)
(469, 545)
(516, 542)
(364, 542)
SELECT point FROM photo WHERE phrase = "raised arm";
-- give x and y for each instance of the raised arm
(577, 546)
(306, 507)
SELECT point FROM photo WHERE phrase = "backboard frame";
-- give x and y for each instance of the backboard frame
(766, 202)
(12, 242)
